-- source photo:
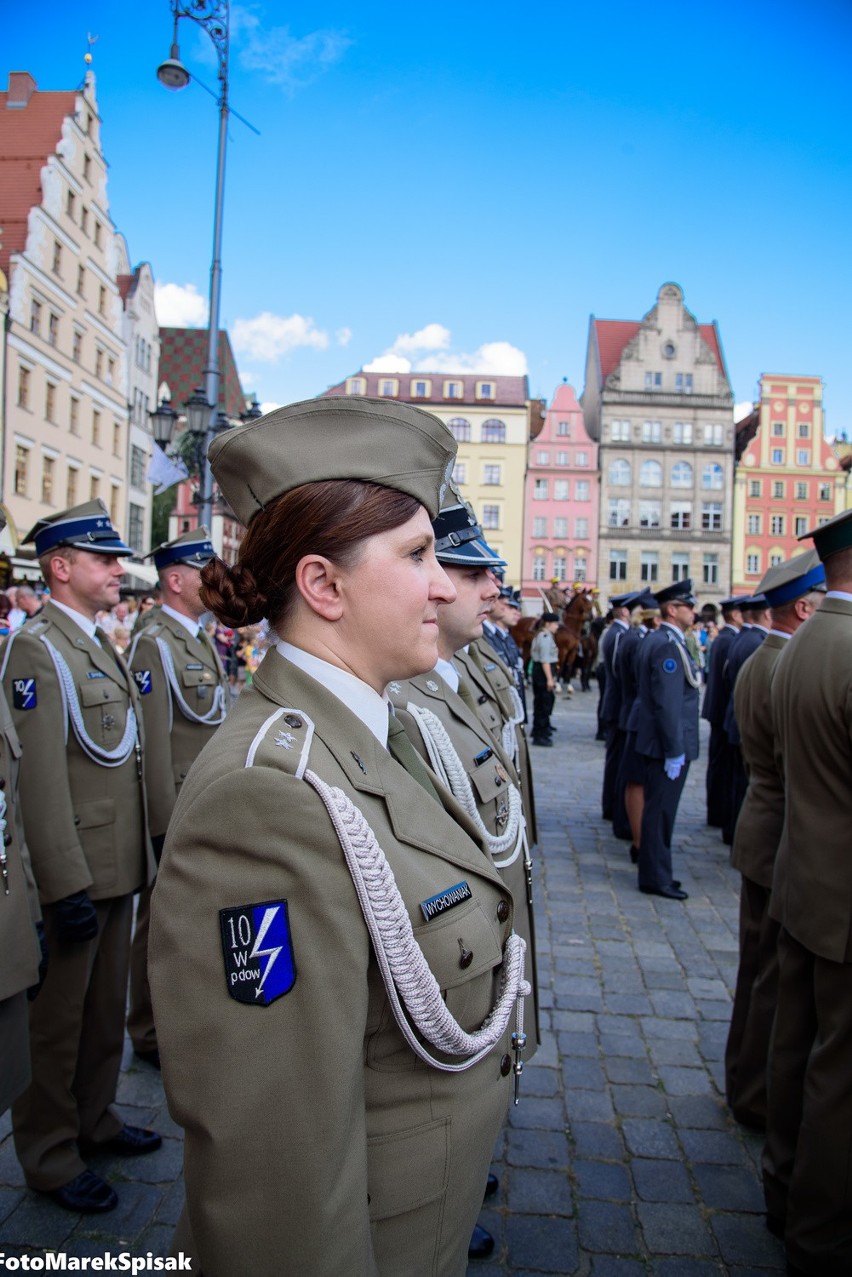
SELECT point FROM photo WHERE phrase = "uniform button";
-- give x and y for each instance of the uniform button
(505, 1065)
(76, 820)
(466, 958)
(292, 720)
(502, 911)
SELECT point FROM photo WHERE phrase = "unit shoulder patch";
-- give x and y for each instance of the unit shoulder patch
(669, 665)
(257, 946)
(142, 679)
(24, 693)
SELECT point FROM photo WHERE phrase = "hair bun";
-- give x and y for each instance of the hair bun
(232, 594)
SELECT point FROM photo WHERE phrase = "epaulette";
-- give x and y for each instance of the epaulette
(283, 741)
(37, 626)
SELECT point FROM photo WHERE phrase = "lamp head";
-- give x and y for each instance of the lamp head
(172, 73)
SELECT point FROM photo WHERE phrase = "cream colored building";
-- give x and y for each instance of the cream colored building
(66, 419)
(658, 401)
(490, 418)
(142, 341)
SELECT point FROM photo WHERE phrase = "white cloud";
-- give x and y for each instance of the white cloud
(269, 406)
(429, 351)
(291, 62)
(180, 306)
(267, 337)
(743, 409)
(343, 336)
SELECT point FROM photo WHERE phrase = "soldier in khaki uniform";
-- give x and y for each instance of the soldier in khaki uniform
(792, 591)
(184, 695)
(339, 1061)
(74, 706)
(808, 1150)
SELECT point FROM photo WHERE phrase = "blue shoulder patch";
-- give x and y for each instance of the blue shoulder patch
(669, 665)
(143, 681)
(258, 951)
(24, 693)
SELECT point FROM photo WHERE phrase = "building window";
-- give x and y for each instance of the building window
(460, 429)
(491, 476)
(539, 526)
(50, 401)
(653, 380)
(542, 458)
(22, 460)
(354, 386)
(651, 475)
(70, 203)
(778, 429)
(94, 487)
(681, 475)
(618, 565)
(683, 383)
(649, 565)
(71, 487)
(682, 432)
(539, 572)
(712, 476)
(24, 384)
(96, 428)
(137, 467)
(581, 490)
(581, 459)
(803, 457)
(47, 469)
(619, 473)
(113, 503)
(99, 363)
(560, 529)
(387, 387)
(35, 316)
(110, 375)
(778, 456)
(561, 490)
(485, 390)
(580, 567)
(56, 266)
(52, 328)
(801, 525)
(76, 346)
(618, 513)
(74, 416)
(87, 167)
(755, 487)
(116, 439)
(541, 490)
(84, 220)
(101, 300)
(563, 458)
(776, 525)
(452, 390)
(559, 567)
(421, 389)
(776, 558)
(801, 492)
(619, 432)
(778, 490)
(680, 517)
(491, 517)
(81, 280)
(711, 516)
(804, 430)
(754, 522)
(649, 514)
(714, 435)
(581, 529)
(98, 233)
(710, 569)
(680, 566)
(493, 431)
(563, 429)
(652, 432)
(460, 472)
(136, 527)
(753, 563)
(825, 492)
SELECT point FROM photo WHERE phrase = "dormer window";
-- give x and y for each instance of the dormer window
(453, 390)
(420, 389)
(388, 387)
(485, 390)
(356, 386)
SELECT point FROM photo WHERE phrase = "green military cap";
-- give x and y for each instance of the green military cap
(833, 536)
(193, 547)
(86, 527)
(790, 580)
(374, 440)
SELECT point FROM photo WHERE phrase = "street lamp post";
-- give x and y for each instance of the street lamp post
(213, 16)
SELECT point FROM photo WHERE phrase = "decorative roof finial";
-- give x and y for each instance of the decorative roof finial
(91, 40)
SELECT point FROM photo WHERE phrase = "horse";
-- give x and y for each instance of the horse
(568, 635)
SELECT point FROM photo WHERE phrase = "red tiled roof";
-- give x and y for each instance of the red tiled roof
(508, 391)
(28, 135)
(126, 284)
(183, 355)
(614, 334)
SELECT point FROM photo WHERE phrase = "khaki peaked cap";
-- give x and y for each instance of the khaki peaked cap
(374, 440)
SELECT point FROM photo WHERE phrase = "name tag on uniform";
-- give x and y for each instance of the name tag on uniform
(195, 665)
(436, 905)
(143, 681)
(258, 949)
(24, 693)
(95, 674)
(482, 757)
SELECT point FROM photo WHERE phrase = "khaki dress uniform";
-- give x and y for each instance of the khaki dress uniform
(19, 912)
(337, 1149)
(184, 696)
(808, 1151)
(85, 824)
(756, 838)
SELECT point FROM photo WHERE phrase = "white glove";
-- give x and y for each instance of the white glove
(673, 766)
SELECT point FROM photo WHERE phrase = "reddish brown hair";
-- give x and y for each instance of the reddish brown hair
(332, 518)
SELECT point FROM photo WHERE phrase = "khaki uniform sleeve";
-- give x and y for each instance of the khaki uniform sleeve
(160, 790)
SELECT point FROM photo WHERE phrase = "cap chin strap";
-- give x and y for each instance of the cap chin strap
(413, 992)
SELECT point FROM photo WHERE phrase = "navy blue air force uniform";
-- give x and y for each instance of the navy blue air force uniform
(718, 785)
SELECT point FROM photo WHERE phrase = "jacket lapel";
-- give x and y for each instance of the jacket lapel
(109, 663)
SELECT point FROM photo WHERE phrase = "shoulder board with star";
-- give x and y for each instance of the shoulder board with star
(283, 741)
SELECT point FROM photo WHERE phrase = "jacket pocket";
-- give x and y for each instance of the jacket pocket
(408, 1169)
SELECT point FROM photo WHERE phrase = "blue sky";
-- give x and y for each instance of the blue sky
(461, 187)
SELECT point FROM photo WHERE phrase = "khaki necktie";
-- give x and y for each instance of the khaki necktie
(468, 697)
(401, 748)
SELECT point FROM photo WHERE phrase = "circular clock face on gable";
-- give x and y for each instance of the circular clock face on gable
(779, 405)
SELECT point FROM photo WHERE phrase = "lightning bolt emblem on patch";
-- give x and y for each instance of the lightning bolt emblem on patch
(271, 953)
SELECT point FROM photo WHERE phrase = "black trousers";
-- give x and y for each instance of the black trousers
(543, 701)
(615, 739)
(662, 797)
(718, 781)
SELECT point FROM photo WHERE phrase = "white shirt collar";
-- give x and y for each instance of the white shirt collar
(765, 628)
(676, 630)
(186, 621)
(617, 620)
(85, 622)
(364, 702)
(448, 673)
(839, 594)
(782, 633)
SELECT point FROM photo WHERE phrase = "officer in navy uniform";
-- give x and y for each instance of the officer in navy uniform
(184, 695)
(757, 618)
(612, 803)
(496, 631)
(631, 772)
(75, 709)
(718, 783)
(666, 734)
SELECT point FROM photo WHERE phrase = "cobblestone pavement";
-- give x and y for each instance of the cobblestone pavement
(621, 1160)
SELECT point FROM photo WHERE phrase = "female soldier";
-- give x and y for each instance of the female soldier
(332, 956)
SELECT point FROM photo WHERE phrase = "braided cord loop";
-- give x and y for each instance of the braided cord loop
(216, 713)
(114, 757)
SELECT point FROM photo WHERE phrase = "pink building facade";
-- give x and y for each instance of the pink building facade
(562, 500)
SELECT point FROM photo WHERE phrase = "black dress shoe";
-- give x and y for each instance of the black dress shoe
(481, 1243)
(151, 1057)
(776, 1226)
(634, 855)
(670, 893)
(543, 740)
(491, 1185)
(131, 1141)
(88, 1194)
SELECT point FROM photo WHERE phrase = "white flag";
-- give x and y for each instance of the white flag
(163, 472)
